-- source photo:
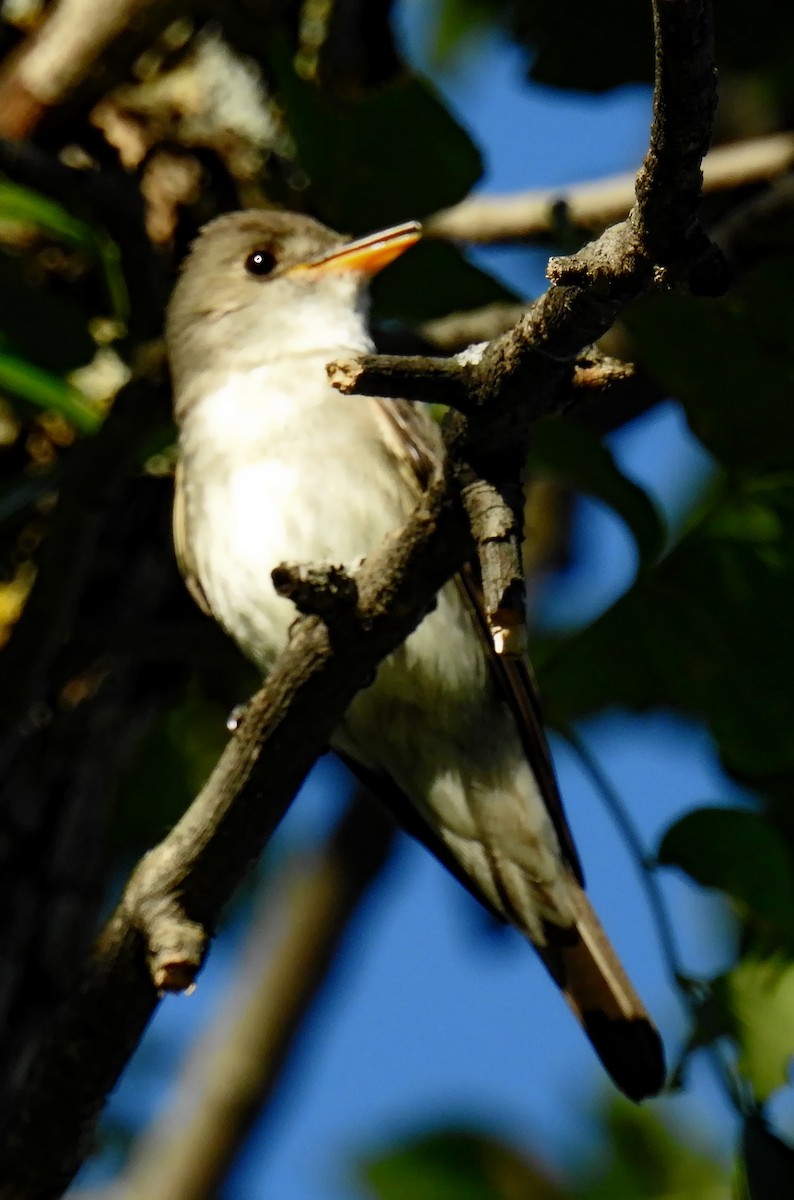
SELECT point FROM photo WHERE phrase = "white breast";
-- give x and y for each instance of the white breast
(276, 474)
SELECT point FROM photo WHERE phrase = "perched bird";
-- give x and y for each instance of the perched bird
(274, 466)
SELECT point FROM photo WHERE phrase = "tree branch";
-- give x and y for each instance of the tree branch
(58, 57)
(591, 206)
(235, 1069)
(404, 377)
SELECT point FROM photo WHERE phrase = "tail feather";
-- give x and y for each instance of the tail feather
(586, 968)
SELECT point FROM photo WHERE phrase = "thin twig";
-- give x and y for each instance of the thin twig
(692, 993)
(628, 831)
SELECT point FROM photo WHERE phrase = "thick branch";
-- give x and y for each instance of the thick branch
(591, 206)
(685, 90)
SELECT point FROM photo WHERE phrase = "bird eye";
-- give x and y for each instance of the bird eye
(260, 262)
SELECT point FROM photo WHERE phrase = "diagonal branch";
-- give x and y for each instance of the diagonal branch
(234, 1070)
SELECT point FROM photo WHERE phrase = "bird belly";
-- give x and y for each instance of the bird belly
(432, 719)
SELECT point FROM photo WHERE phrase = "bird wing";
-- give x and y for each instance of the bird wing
(183, 546)
(418, 445)
(579, 958)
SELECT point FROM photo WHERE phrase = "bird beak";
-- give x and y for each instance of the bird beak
(369, 254)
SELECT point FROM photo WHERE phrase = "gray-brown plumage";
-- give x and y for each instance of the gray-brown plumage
(275, 465)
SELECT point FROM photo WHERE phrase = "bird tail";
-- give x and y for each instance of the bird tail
(586, 968)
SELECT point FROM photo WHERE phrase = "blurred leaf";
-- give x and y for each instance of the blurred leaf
(570, 47)
(707, 632)
(729, 362)
(48, 392)
(25, 490)
(171, 766)
(458, 1165)
(39, 325)
(760, 995)
(431, 281)
(379, 157)
(457, 25)
(640, 1158)
(23, 205)
(768, 1163)
(739, 852)
(572, 454)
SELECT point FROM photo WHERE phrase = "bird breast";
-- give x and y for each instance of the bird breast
(278, 467)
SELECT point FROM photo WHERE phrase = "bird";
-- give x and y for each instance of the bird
(275, 465)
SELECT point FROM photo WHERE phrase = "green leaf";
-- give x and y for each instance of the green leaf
(740, 853)
(404, 292)
(378, 157)
(570, 48)
(707, 632)
(458, 1165)
(48, 392)
(640, 1158)
(23, 205)
(457, 27)
(575, 456)
(768, 1162)
(759, 993)
(729, 361)
(171, 765)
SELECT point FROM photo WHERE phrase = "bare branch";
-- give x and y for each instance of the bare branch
(49, 66)
(328, 592)
(591, 206)
(684, 103)
(459, 329)
(235, 1069)
(403, 377)
(606, 392)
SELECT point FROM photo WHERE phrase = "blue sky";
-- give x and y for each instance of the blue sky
(430, 1022)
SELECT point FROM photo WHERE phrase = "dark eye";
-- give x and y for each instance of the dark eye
(260, 262)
